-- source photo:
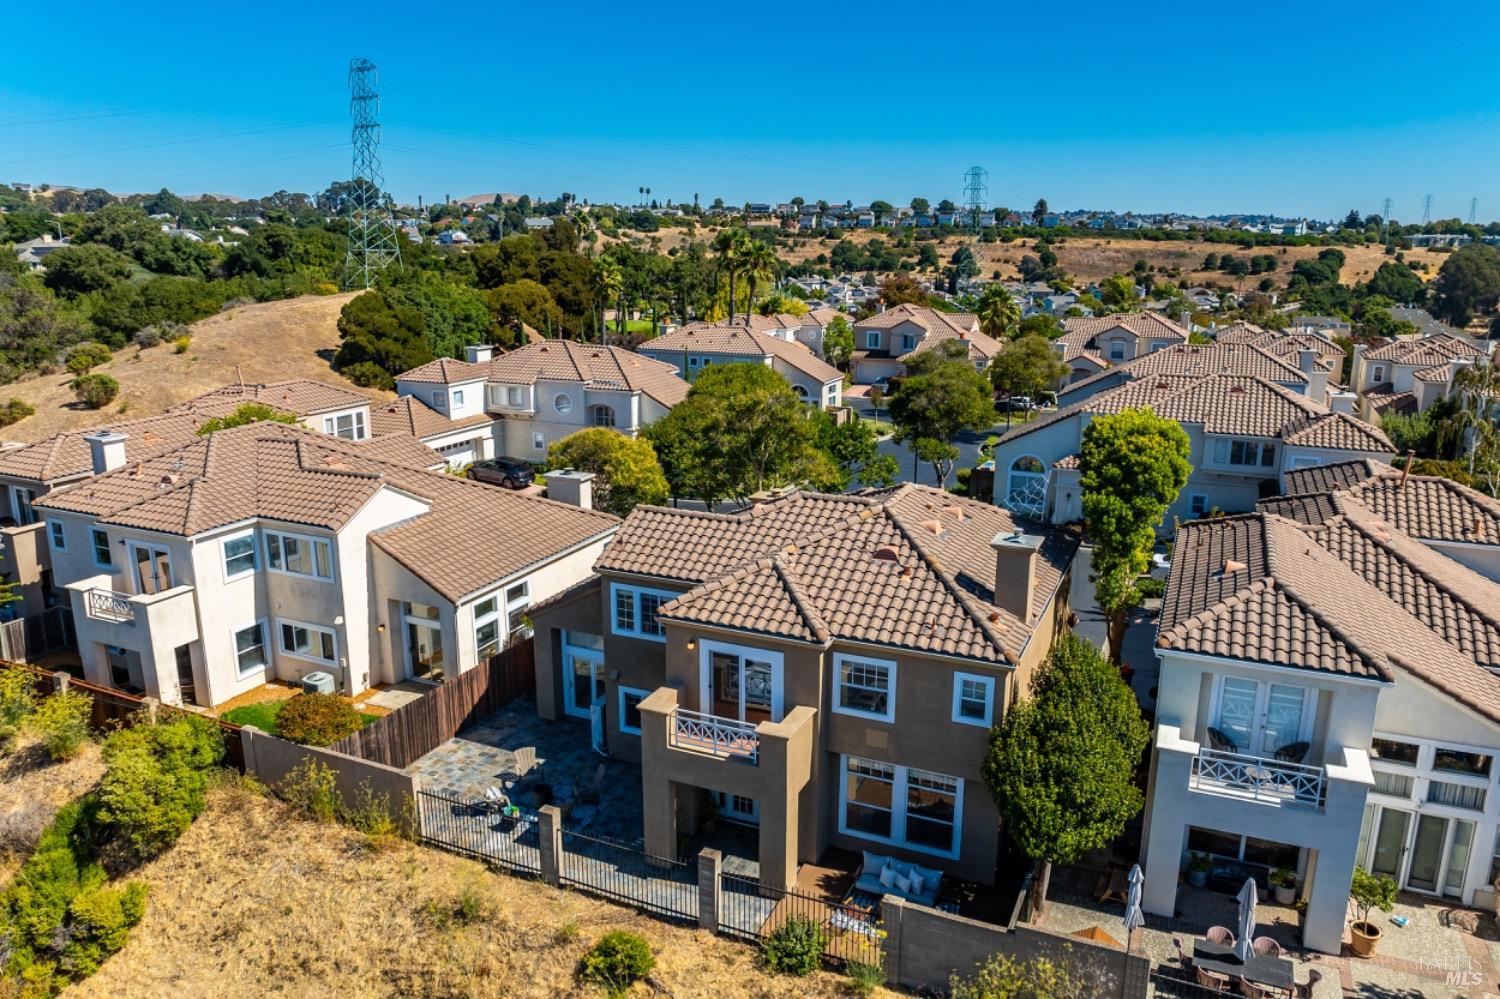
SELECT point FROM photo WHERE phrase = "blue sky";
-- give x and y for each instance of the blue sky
(1297, 109)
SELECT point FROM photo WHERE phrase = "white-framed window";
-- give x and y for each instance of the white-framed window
(308, 641)
(1245, 453)
(239, 555)
(1117, 350)
(515, 396)
(908, 342)
(630, 709)
(973, 699)
(872, 339)
(1197, 504)
(1306, 461)
(864, 687)
(903, 806)
(1026, 485)
(458, 397)
(604, 416)
(517, 601)
(350, 426)
(21, 499)
(299, 555)
(563, 403)
(1260, 717)
(486, 628)
(633, 611)
(538, 441)
(438, 399)
(56, 536)
(1379, 374)
(103, 557)
(250, 648)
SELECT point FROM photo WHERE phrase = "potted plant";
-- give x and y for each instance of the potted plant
(1369, 891)
(1198, 867)
(1284, 886)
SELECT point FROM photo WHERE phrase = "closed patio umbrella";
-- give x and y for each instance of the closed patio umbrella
(1134, 917)
(1246, 930)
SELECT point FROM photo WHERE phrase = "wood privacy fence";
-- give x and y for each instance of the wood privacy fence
(115, 708)
(416, 729)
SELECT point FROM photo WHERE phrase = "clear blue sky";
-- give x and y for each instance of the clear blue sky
(1294, 108)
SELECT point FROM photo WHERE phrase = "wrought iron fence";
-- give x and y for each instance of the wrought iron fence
(662, 887)
(108, 605)
(479, 830)
(753, 911)
(1174, 983)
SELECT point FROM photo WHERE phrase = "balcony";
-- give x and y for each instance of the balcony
(109, 605)
(715, 735)
(1258, 778)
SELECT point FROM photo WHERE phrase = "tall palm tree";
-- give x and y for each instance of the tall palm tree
(999, 316)
(730, 245)
(611, 289)
(760, 263)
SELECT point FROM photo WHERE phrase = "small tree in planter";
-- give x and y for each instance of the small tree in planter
(1198, 867)
(1284, 883)
(1369, 891)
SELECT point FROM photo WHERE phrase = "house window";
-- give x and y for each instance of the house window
(298, 555)
(604, 416)
(250, 647)
(1197, 504)
(517, 600)
(538, 441)
(635, 612)
(1026, 486)
(908, 342)
(1456, 795)
(458, 397)
(308, 641)
(515, 396)
(239, 555)
(1459, 762)
(563, 403)
(438, 399)
(486, 628)
(21, 500)
(904, 806)
(630, 709)
(865, 687)
(1395, 785)
(872, 339)
(350, 426)
(1379, 373)
(103, 558)
(1245, 453)
(973, 699)
(56, 537)
(1117, 350)
(1260, 718)
(1391, 751)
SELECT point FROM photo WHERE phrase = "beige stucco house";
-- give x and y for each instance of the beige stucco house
(696, 346)
(884, 342)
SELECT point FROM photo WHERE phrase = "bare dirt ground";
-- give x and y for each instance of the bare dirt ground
(32, 789)
(253, 900)
(265, 342)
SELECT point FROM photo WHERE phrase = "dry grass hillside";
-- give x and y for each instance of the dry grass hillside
(254, 901)
(32, 789)
(265, 342)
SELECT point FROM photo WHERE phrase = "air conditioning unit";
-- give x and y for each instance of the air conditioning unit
(317, 683)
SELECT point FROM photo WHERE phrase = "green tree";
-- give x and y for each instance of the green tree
(523, 301)
(1039, 211)
(77, 270)
(95, 391)
(1134, 463)
(1061, 766)
(379, 341)
(854, 450)
(741, 429)
(453, 315)
(1028, 366)
(999, 315)
(838, 342)
(249, 412)
(920, 206)
(626, 472)
(1467, 283)
(941, 396)
(1397, 283)
(1042, 325)
(759, 263)
(731, 245)
(1118, 292)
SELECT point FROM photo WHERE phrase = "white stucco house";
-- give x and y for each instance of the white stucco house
(694, 347)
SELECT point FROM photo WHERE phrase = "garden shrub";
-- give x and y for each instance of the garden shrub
(317, 719)
(95, 391)
(1003, 977)
(86, 356)
(312, 789)
(181, 344)
(17, 702)
(617, 961)
(15, 411)
(796, 946)
(157, 779)
(62, 721)
(373, 815)
(864, 978)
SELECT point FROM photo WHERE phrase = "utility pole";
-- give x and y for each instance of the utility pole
(976, 193)
(373, 241)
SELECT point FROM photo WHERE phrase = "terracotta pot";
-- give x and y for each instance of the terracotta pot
(1363, 937)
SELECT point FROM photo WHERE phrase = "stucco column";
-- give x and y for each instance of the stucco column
(1170, 807)
(1328, 894)
(658, 792)
(710, 864)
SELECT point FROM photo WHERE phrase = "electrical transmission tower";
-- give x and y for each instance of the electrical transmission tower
(1385, 219)
(1473, 210)
(1426, 209)
(373, 241)
(976, 193)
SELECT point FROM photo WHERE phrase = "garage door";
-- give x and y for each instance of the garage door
(458, 455)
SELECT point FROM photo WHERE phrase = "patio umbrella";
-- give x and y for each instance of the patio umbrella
(1243, 940)
(1133, 915)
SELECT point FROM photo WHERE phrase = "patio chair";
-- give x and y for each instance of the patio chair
(495, 798)
(1292, 752)
(1253, 991)
(1184, 959)
(525, 760)
(1266, 946)
(1305, 991)
(1211, 979)
(1218, 740)
(1220, 935)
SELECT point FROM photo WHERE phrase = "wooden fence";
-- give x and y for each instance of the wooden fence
(416, 729)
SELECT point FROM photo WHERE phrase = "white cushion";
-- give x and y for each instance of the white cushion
(916, 882)
(887, 875)
(903, 884)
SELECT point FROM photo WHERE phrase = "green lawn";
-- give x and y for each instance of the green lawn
(263, 716)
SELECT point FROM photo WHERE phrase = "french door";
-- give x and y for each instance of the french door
(741, 683)
(583, 690)
(153, 567)
(1422, 852)
(1260, 717)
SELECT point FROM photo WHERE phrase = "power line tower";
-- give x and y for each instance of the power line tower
(1385, 219)
(1426, 209)
(1473, 211)
(373, 241)
(976, 193)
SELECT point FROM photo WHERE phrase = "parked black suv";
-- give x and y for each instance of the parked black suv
(512, 473)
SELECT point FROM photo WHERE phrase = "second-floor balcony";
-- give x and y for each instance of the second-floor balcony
(110, 605)
(716, 735)
(1258, 778)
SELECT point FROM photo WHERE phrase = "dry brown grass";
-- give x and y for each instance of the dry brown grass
(32, 789)
(253, 900)
(266, 342)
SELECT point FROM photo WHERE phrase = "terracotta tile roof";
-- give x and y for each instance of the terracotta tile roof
(1198, 360)
(595, 365)
(1240, 332)
(1261, 588)
(1334, 475)
(907, 568)
(1424, 351)
(410, 415)
(1340, 431)
(1437, 373)
(929, 319)
(470, 536)
(400, 449)
(445, 371)
(1071, 461)
(736, 339)
(1387, 402)
(1139, 324)
(1304, 508)
(302, 396)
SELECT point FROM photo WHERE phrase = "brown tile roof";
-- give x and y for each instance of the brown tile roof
(1138, 324)
(1437, 373)
(1340, 431)
(907, 568)
(1198, 360)
(410, 415)
(1387, 402)
(400, 449)
(302, 396)
(445, 371)
(594, 365)
(471, 535)
(938, 326)
(1334, 475)
(1424, 351)
(1240, 332)
(736, 339)
(1071, 461)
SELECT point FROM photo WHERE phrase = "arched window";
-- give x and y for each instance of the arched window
(801, 391)
(1026, 486)
(604, 416)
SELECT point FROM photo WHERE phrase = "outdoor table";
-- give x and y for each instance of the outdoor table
(1262, 969)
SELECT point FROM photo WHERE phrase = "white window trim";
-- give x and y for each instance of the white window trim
(872, 339)
(313, 628)
(265, 651)
(356, 419)
(480, 620)
(1198, 496)
(839, 658)
(439, 400)
(898, 810)
(635, 591)
(57, 535)
(989, 699)
(1264, 684)
(538, 441)
(310, 539)
(224, 555)
(620, 701)
(458, 398)
(557, 403)
(95, 533)
(777, 661)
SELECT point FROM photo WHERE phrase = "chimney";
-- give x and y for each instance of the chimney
(1317, 378)
(479, 353)
(1356, 368)
(568, 485)
(1343, 402)
(1015, 571)
(1307, 360)
(1186, 319)
(107, 448)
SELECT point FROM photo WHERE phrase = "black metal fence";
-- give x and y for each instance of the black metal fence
(753, 911)
(1175, 983)
(662, 887)
(475, 829)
